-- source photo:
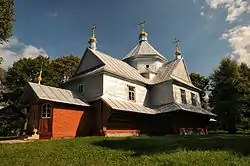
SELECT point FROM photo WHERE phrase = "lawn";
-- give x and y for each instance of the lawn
(167, 150)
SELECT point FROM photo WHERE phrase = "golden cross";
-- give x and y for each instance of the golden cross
(93, 30)
(142, 25)
(176, 42)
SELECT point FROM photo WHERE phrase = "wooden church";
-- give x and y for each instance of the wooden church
(143, 93)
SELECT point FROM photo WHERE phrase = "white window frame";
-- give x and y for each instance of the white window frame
(194, 99)
(185, 94)
(132, 93)
(45, 111)
(81, 88)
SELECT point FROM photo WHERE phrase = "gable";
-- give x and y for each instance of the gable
(181, 72)
(88, 61)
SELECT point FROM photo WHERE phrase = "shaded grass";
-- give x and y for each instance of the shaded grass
(8, 137)
(168, 150)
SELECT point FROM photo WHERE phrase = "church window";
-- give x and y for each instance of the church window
(81, 88)
(131, 93)
(183, 96)
(46, 110)
(193, 98)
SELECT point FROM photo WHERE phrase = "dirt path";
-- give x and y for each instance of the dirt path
(14, 141)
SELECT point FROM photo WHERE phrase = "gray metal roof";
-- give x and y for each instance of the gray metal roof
(143, 48)
(119, 67)
(196, 109)
(139, 108)
(164, 73)
(128, 106)
(122, 69)
(57, 95)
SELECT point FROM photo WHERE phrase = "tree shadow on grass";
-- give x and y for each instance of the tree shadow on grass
(238, 144)
(8, 138)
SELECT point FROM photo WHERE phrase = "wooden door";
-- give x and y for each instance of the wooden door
(45, 128)
(45, 121)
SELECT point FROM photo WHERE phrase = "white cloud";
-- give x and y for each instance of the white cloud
(235, 8)
(202, 13)
(13, 50)
(239, 40)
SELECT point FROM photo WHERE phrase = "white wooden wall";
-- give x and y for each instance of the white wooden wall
(88, 61)
(140, 64)
(180, 72)
(177, 94)
(92, 86)
(118, 89)
(160, 94)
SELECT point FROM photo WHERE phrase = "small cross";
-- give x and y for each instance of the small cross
(177, 43)
(142, 25)
(93, 30)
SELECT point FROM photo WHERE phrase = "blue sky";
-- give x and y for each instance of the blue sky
(208, 29)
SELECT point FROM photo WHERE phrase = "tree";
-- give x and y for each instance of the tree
(54, 73)
(6, 19)
(2, 79)
(245, 75)
(202, 83)
(26, 70)
(228, 94)
(22, 71)
(64, 68)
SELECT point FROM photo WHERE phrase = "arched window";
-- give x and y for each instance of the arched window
(46, 110)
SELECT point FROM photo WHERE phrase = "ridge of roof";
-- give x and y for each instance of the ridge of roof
(143, 48)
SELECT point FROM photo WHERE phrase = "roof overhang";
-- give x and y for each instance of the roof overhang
(130, 106)
(34, 92)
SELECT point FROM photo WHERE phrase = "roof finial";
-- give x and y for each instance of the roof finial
(177, 51)
(143, 35)
(93, 30)
(92, 40)
(39, 78)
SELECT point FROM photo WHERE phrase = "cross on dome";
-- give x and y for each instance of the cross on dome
(177, 51)
(143, 35)
(92, 40)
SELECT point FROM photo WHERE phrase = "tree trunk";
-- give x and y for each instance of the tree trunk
(231, 127)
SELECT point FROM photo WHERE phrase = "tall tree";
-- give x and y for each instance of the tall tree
(202, 83)
(228, 94)
(245, 76)
(64, 68)
(6, 19)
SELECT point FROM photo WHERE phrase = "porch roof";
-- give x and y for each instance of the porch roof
(139, 108)
(128, 106)
(55, 94)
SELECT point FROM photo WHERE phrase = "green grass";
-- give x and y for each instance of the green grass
(168, 150)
